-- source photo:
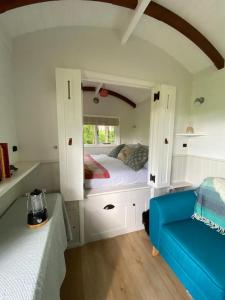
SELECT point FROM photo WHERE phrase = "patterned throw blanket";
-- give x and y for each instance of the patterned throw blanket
(93, 169)
(210, 205)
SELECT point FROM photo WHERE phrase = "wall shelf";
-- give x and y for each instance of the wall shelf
(181, 184)
(191, 134)
(24, 168)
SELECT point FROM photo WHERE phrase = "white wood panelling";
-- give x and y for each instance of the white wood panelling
(73, 214)
(23, 170)
(46, 176)
(179, 165)
(28, 178)
(7, 199)
(199, 168)
(193, 169)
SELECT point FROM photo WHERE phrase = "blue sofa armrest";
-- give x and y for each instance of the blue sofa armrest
(169, 208)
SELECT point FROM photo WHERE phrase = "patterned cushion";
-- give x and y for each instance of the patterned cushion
(115, 151)
(125, 153)
(139, 157)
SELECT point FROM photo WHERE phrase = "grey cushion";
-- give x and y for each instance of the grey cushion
(115, 151)
(137, 160)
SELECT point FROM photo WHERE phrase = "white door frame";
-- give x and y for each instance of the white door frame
(93, 76)
(116, 80)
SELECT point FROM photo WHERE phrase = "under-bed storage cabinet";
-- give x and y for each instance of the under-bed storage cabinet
(108, 215)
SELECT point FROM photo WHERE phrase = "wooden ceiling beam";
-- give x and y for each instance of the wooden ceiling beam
(123, 98)
(112, 93)
(165, 15)
(6, 5)
(153, 10)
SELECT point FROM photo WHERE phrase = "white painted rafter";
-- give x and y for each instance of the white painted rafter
(136, 16)
(98, 89)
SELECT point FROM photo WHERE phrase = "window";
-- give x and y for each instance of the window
(100, 130)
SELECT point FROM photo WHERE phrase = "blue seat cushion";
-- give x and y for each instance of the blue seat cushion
(199, 252)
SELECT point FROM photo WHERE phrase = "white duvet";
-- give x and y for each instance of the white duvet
(120, 174)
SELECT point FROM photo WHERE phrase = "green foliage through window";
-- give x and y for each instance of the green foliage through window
(99, 134)
(89, 134)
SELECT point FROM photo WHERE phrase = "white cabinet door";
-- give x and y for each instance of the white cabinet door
(107, 216)
(70, 133)
(140, 203)
(161, 135)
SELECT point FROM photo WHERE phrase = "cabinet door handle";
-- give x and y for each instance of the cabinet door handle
(152, 178)
(68, 86)
(166, 141)
(109, 206)
(70, 142)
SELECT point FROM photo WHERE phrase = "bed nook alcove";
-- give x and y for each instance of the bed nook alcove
(100, 138)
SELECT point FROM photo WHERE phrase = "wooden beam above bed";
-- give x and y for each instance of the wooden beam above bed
(112, 93)
(6, 5)
(165, 15)
(153, 10)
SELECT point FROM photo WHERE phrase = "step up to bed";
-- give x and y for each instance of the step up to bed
(114, 211)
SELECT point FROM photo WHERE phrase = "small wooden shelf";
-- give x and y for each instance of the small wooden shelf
(181, 184)
(191, 134)
(24, 168)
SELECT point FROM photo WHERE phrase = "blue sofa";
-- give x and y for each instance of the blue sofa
(194, 251)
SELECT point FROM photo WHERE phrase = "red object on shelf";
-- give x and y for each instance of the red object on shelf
(1, 166)
(6, 159)
(103, 93)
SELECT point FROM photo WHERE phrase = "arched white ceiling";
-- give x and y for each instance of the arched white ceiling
(207, 16)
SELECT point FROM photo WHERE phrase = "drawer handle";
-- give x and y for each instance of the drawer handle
(109, 206)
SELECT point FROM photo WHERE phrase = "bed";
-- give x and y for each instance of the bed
(110, 172)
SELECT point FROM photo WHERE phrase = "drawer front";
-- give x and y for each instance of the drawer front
(102, 200)
(113, 214)
(139, 207)
(107, 220)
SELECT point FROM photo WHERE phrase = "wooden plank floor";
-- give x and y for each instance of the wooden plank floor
(119, 268)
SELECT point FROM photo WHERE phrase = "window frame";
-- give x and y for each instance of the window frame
(117, 131)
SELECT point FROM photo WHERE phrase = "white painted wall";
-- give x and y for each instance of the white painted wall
(37, 54)
(7, 105)
(134, 123)
(114, 107)
(142, 122)
(209, 117)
